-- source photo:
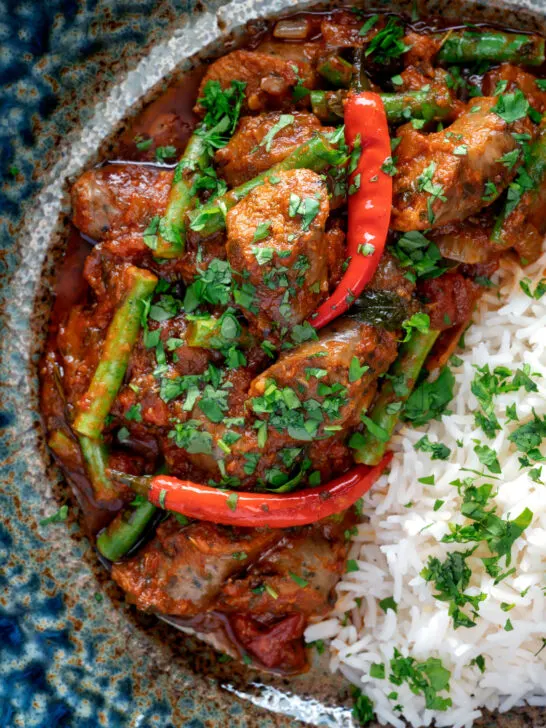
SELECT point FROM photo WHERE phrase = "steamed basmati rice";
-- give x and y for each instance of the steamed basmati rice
(401, 530)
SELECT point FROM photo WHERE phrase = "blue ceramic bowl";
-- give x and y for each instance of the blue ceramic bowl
(71, 652)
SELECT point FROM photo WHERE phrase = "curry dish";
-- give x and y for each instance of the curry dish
(271, 280)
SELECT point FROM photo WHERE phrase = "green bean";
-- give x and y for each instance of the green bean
(95, 456)
(428, 104)
(64, 447)
(172, 234)
(120, 339)
(469, 46)
(405, 369)
(317, 154)
(328, 105)
(337, 71)
(123, 533)
(520, 196)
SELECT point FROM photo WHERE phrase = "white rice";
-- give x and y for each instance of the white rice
(392, 548)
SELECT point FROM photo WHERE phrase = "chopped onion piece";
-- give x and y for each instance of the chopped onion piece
(296, 29)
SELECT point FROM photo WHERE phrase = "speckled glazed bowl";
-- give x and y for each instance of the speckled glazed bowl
(71, 652)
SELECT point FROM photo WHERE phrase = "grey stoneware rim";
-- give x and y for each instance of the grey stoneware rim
(84, 659)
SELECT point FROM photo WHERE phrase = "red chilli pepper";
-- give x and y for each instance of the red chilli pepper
(233, 508)
(369, 204)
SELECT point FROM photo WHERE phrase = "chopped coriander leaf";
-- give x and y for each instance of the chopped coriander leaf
(510, 158)
(163, 153)
(535, 474)
(427, 480)
(261, 232)
(479, 661)
(377, 671)
(318, 645)
(212, 285)
(366, 249)
(508, 627)
(284, 121)
(123, 434)
(427, 678)
(57, 517)
(269, 349)
(512, 106)
(488, 457)
(438, 450)
(299, 581)
(356, 370)
(363, 706)
(540, 288)
(438, 503)
(187, 436)
(429, 400)
(490, 192)
(303, 332)
(355, 185)
(461, 150)
(231, 501)
(389, 166)
(487, 384)
(142, 144)
(150, 233)
(387, 43)
(419, 322)
(376, 430)
(134, 413)
(528, 437)
(262, 255)
(368, 25)
(351, 566)
(388, 603)
(450, 578)
(419, 255)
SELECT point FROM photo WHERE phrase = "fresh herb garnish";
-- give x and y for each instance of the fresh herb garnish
(284, 121)
(429, 400)
(450, 578)
(438, 450)
(387, 43)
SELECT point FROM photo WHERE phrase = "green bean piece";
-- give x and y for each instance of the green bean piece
(123, 533)
(172, 234)
(427, 104)
(64, 447)
(337, 71)
(120, 339)
(318, 153)
(328, 105)
(95, 456)
(518, 198)
(470, 46)
(405, 369)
